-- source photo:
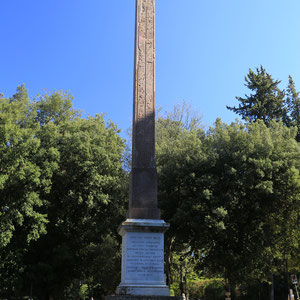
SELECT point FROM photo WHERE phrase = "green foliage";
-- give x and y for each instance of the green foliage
(185, 277)
(212, 288)
(182, 271)
(267, 101)
(22, 173)
(293, 104)
(62, 191)
(83, 291)
(231, 195)
(203, 288)
(227, 194)
(258, 185)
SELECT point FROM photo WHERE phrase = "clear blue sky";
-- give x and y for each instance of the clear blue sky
(204, 48)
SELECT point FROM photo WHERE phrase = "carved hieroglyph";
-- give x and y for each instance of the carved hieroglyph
(144, 91)
(144, 178)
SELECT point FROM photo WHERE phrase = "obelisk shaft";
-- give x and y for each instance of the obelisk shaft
(143, 232)
(143, 187)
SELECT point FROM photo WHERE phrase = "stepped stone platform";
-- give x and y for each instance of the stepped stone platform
(137, 297)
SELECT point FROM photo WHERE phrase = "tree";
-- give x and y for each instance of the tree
(227, 193)
(267, 100)
(26, 171)
(22, 165)
(64, 192)
(293, 105)
(176, 142)
(257, 184)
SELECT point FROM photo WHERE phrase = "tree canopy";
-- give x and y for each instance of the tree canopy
(231, 194)
(266, 100)
(62, 192)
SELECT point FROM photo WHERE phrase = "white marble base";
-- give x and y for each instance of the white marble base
(143, 290)
(143, 258)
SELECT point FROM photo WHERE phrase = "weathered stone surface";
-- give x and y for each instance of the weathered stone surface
(135, 297)
(143, 186)
(143, 257)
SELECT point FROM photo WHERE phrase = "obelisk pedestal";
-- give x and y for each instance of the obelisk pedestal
(143, 258)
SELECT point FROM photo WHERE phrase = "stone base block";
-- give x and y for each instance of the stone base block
(134, 297)
(143, 258)
(143, 290)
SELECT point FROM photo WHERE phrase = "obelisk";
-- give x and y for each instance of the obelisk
(143, 231)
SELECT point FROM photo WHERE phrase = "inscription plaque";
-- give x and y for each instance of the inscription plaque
(144, 257)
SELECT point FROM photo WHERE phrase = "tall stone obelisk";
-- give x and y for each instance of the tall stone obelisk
(143, 231)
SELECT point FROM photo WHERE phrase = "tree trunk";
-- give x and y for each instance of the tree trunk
(271, 287)
(185, 287)
(181, 284)
(287, 276)
(168, 264)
